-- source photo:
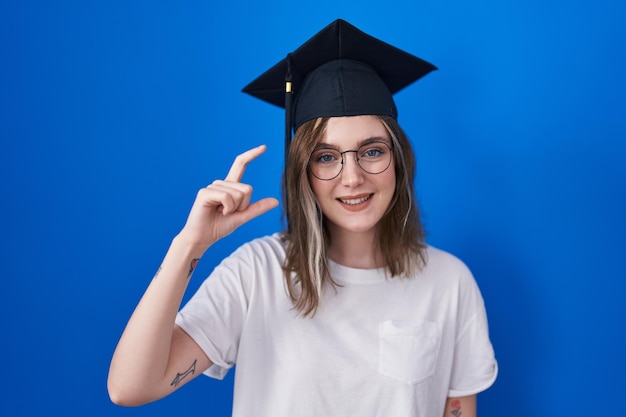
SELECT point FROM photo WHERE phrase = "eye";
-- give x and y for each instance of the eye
(373, 151)
(325, 156)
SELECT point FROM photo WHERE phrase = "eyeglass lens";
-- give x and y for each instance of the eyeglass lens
(373, 158)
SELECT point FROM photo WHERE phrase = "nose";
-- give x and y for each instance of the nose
(351, 174)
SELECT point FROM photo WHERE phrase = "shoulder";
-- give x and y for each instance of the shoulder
(250, 265)
(451, 272)
(447, 270)
(270, 246)
(438, 260)
(267, 252)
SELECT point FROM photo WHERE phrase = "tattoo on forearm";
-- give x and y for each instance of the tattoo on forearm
(192, 266)
(181, 376)
(157, 273)
(456, 408)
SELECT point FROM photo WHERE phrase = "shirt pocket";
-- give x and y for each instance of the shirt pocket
(408, 350)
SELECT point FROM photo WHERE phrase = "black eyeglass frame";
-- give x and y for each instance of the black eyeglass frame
(356, 158)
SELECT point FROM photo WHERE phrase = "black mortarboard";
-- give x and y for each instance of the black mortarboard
(341, 71)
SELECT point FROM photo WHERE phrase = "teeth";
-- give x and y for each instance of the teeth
(355, 201)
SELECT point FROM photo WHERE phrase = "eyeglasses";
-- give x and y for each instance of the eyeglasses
(327, 163)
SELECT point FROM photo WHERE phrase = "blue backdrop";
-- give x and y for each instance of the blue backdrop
(113, 114)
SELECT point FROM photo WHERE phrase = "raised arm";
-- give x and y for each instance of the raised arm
(154, 357)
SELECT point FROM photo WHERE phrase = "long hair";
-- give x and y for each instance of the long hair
(400, 235)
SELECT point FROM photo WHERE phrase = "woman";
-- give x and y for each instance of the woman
(348, 312)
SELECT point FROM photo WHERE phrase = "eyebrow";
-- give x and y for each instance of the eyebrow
(373, 139)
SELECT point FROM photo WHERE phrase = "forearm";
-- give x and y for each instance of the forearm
(461, 406)
(141, 359)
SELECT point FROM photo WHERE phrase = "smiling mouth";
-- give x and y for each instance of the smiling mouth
(355, 201)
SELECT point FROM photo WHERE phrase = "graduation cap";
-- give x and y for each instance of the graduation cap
(341, 71)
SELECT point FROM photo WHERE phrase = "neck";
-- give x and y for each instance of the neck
(355, 250)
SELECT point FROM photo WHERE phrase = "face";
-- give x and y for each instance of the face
(354, 201)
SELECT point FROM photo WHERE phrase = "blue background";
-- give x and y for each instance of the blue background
(113, 114)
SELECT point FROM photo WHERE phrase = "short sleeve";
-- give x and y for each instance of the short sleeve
(214, 316)
(474, 365)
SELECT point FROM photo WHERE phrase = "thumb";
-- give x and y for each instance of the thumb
(257, 208)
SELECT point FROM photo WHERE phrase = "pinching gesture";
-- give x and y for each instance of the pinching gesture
(225, 205)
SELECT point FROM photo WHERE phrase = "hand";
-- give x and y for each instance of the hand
(225, 205)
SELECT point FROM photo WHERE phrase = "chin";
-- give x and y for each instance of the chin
(360, 228)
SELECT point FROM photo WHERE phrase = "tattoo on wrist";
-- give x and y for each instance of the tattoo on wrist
(456, 408)
(192, 266)
(181, 376)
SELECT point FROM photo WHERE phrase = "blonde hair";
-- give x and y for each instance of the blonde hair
(400, 235)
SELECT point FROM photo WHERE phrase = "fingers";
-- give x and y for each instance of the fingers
(236, 195)
(232, 196)
(241, 162)
(225, 205)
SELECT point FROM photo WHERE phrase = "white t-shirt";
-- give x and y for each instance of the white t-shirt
(377, 346)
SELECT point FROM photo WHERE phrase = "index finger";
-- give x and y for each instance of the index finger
(241, 161)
